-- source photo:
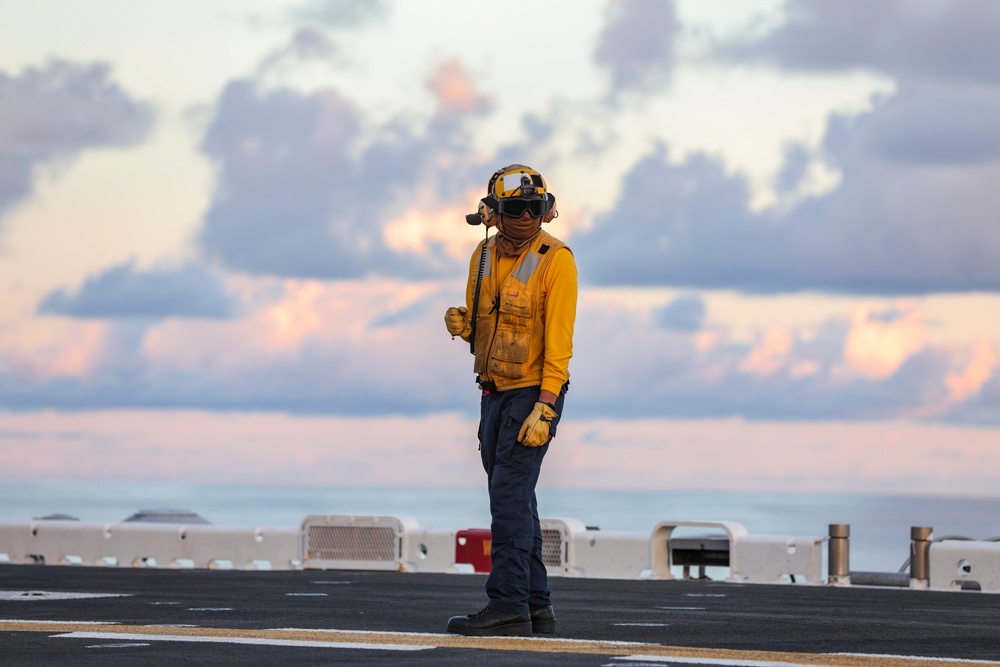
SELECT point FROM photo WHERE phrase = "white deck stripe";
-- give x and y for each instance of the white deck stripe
(714, 661)
(526, 638)
(682, 608)
(918, 657)
(770, 663)
(33, 596)
(242, 640)
(15, 620)
(644, 625)
(638, 650)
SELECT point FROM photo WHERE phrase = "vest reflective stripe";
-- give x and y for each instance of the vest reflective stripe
(528, 265)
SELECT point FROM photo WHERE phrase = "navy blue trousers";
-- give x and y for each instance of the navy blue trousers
(518, 581)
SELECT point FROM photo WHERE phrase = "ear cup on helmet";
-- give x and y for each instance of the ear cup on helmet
(552, 212)
(487, 209)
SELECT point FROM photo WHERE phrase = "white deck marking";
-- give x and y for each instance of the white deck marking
(644, 625)
(705, 595)
(210, 608)
(50, 622)
(712, 661)
(448, 635)
(32, 596)
(916, 657)
(397, 641)
(728, 662)
(245, 640)
(307, 595)
(118, 645)
(682, 608)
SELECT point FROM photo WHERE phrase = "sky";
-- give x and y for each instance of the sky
(229, 230)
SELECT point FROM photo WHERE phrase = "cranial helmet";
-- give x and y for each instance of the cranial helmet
(516, 180)
(518, 188)
(514, 190)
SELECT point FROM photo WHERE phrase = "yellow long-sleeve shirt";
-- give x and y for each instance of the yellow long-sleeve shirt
(557, 301)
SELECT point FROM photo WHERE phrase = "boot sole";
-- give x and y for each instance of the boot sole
(543, 627)
(511, 629)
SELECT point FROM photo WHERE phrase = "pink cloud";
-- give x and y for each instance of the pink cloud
(770, 353)
(877, 348)
(455, 90)
(41, 350)
(979, 369)
(426, 223)
(347, 347)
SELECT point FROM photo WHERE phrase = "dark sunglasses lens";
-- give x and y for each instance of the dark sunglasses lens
(515, 208)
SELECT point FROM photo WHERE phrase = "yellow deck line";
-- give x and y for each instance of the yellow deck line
(546, 645)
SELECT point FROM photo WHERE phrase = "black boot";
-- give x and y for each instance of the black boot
(543, 620)
(491, 622)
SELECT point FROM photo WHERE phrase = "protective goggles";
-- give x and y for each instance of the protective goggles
(515, 207)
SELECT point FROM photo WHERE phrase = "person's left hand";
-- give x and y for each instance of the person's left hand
(535, 429)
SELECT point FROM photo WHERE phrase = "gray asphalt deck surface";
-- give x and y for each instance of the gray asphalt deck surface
(194, 617)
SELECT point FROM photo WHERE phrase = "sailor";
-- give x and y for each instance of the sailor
(518, 319)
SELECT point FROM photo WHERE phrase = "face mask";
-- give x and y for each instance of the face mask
(516, 233)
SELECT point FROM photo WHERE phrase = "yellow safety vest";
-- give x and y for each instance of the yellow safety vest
(510, 324)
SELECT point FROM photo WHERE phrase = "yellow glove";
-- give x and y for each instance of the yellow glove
(535, 429)
(457, 321)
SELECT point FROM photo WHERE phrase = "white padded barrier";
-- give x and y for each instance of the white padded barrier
(558, 548)
(398, 543)
(341, 542)
(600, 554)
(431, 550)
(569, 549)
(129, 544)
(660, 543)
(775, 559)
(956, 562)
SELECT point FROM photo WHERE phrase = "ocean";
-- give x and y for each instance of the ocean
(880, 525)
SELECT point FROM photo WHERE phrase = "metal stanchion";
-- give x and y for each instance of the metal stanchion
(839, 555)
(920, 550)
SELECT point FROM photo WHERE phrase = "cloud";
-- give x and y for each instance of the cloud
(888, 228)
(913, 211)
(455, 91)
(980, 407)
(342, 13)
(952, 40)
(300, 346)
(880, 342)
(54, 112)
(925, 124)
(306, 44)
(125, 292)
(637, 43)
(373, 348)
(844, 368)
(304, 192)
(794, 169)
(684, 225)
(685, 313)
